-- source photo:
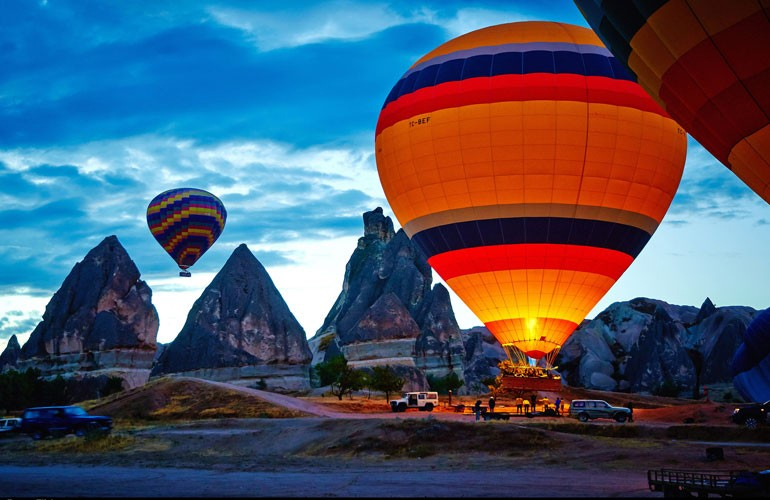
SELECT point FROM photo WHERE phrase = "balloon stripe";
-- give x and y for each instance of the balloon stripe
(607, 214)
(513, 33)
(522, 230)
(562, 62)
(517, 88)
(606, 262)
(506, 48)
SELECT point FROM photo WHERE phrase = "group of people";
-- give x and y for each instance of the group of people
(522, 405)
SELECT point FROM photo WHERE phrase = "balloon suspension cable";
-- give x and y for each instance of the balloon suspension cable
(550, 358)
(517, 356)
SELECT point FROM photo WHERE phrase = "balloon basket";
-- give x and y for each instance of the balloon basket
(513, 383)
(186, 274)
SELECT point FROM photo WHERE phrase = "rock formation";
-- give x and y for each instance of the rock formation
(240, 330)
(388, 313)
(10, 355)
(648, 346)
(482, 355)
(100, 323)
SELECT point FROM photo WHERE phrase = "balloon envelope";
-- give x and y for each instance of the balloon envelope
(751, 362)
(531, 170)
(708, 64)
(186, 222)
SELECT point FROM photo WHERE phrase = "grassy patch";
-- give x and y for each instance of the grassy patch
(170, 400)
(92, 443)
(415, 438)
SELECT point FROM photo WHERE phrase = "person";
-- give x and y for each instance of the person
(519, 404)
(630, 406)
(533, 400)
(477, 409)
(492, 404)
(557, 405)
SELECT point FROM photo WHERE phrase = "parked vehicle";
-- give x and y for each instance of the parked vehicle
(9, 424)
(589, 409)
(423, 401)
(59, 421)
(753, 415)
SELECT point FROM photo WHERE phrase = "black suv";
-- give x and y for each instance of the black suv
(752, 415)
(62, 420)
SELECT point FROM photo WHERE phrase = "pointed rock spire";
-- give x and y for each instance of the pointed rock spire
(240, 328)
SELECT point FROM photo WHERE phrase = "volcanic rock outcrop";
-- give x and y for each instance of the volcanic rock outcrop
(240, 330)
(10, 355)
(649, 346)
(388, 313)
(101, 322)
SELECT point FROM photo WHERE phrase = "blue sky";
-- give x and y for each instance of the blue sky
(271, 106)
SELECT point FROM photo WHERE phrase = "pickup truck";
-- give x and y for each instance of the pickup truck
(56, 421)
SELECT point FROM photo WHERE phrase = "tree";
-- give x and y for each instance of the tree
(343, 379)
(495, 384)
(442, 385)
(384, 379)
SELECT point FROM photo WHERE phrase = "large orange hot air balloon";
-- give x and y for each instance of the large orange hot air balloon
(707, 63)
(186, 222)
(531, 170)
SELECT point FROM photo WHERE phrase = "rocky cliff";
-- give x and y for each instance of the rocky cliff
(100, 323)
(649, 346)
(388, 312)
(240, 330)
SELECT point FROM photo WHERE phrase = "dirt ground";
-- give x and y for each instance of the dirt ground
(321, 434)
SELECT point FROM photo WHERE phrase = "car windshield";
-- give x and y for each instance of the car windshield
(75, 411)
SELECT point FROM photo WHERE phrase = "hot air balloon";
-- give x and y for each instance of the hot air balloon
(531, 170)
(707, 63)
(751, 362)
(186, 222)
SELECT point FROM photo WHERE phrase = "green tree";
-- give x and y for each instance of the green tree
(341, 378)
(384, 379)
(442, 385)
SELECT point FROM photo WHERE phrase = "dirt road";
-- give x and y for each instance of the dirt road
(345, 482)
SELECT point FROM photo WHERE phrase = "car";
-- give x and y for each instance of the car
(9, 425)
(423, 401)
(752, 415)
(56, 421)
(589, 409)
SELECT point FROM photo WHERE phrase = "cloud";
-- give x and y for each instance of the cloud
(70, 198)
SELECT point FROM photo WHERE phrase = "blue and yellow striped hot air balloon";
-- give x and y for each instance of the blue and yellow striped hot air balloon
(707, 63)
(531, 170)
(186, 222)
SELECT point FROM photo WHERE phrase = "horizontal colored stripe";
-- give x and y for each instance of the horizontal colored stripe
(513, 88)
(511, 231)
(467, 214)
(492, 50)
(510, 63)
(521, 32)
(610, 263)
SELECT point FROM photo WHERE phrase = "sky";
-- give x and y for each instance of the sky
(271, 106)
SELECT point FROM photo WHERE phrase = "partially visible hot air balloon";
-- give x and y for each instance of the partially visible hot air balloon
(707, 63)
(531, 170)
(751, 362)
(186, 222)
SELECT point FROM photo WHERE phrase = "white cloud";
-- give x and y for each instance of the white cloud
(350, 21)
